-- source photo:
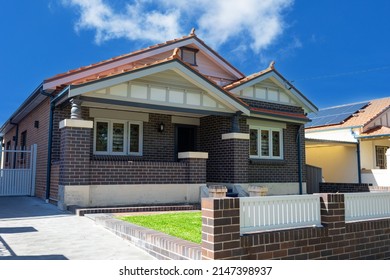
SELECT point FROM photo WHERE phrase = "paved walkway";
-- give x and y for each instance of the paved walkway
(33, 229)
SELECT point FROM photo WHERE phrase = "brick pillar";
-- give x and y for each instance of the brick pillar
(196, 172)
(236, 156)
(75, 152)
(221, 229)
(333, 213)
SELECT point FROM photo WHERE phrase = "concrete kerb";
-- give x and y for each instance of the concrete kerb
(157, 244)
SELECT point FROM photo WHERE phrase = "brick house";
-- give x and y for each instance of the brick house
(154, 125)
(349, 142)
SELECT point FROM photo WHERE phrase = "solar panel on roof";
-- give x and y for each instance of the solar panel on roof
(334, 115)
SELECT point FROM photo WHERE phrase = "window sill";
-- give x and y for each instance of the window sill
(259, 161)
(116, 158)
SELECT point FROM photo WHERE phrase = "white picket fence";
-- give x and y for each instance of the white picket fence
(276, 212)
(365, 206)
(17, 172)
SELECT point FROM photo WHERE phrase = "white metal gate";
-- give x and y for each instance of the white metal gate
(17, 171)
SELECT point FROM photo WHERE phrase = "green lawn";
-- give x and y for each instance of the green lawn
(184, 225)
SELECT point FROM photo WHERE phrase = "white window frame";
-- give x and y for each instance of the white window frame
(126, 137)
(140, 139)
(270, 143)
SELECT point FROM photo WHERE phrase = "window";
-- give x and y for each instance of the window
(7, 147)
(115, 137)
(380, 155)
(189, 55)
(266, 143)
(23, 143)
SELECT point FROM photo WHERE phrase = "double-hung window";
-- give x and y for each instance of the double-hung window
(116, 137)
(266, 143)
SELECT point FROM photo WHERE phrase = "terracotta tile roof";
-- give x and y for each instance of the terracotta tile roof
(125, 68)
(248, 78)
(297, 116)
(129, 68)
(376, 131)
(363, 117)
(120, 57)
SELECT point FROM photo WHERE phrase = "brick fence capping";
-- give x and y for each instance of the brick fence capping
(334, 239)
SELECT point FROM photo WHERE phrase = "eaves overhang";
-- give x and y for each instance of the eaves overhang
(279, 116)
(176, 65)
(272, 73)
(379, 136)
(72, 75)
(35, 98)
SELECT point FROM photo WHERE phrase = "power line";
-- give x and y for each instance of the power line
(342, 74)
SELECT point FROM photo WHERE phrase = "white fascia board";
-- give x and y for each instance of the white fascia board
(132, 58)
(297, 95)
(110, 65)
(112, 81)
(205, 85)
(252, 82)
(171, 65)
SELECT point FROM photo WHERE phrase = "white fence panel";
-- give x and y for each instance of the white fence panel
(275, 212)
(365, 206)
(17, 172)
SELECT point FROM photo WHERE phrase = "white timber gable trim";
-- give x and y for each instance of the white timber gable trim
(382, 120)
(202, 95)
(270, 87)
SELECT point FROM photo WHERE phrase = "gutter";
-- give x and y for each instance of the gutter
(373, 136)
(34, 94)
(358, 156)
(53, 101)
(298, 140)
(15, 140)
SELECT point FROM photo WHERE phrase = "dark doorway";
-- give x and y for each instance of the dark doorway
(185, 138)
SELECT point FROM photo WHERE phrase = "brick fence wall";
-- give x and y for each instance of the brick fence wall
(335, 239)
(349, 187)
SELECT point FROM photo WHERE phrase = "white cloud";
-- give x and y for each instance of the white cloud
(254, 23)
(133, 23)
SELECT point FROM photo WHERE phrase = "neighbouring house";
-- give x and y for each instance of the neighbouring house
(155, 125)
(349, 142)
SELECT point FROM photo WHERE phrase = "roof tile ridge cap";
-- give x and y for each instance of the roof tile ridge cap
(115, 58)
(376, 115)
(175, 54)
(249, 77)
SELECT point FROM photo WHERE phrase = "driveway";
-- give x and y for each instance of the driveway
(31, 229)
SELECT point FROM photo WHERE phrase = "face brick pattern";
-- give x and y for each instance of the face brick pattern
(335, 240)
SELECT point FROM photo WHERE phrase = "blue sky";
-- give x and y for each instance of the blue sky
(334, 51)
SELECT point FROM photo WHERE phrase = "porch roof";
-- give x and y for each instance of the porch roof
(174, 62)
(376, 132)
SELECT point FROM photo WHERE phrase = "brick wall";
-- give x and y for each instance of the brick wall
(77, 168)
(75, 156)
(336, 239)
(272, 106)
(138, 172)
(350, 188)
(55, 180)
(211, 130)
(37, 136)
(285, 170)
(229, 159)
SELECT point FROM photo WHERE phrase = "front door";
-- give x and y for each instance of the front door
(185, 138)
